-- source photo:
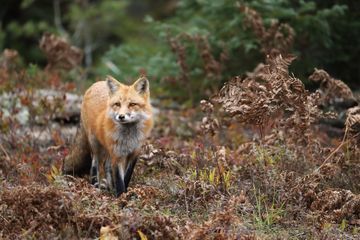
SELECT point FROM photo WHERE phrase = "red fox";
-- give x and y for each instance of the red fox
(115, 120)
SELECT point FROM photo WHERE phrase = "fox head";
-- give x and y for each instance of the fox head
(128, 104)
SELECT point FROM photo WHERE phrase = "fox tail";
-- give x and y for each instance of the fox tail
(78, 162)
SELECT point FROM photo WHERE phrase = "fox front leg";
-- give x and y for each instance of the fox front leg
(119, 178)
(94, 171)
(96, 155)
(108, 174)
(130, 170)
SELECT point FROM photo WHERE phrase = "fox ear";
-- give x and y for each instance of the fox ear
(142, 85)
(112, 84)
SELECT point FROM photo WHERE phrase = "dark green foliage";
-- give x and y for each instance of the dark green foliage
(95, 25)
(116, 41)
(320, 40)
(22, 24)
(91, 25)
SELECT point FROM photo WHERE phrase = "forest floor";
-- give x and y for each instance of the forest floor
(256, 166)
(187, 185)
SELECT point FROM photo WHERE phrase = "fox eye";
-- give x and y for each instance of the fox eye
(132, 104)
(117, 104)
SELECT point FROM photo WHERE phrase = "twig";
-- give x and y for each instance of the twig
(4, 219)
(333, 152)
(89, 229)
(5, 152)
(186, 204)
(27, 232)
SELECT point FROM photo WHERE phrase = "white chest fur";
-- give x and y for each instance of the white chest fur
(128, 138)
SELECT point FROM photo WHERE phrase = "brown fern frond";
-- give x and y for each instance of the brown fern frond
(59, 53)
(180, 52)
(253, 20)
(9, 58)
(352, 123)
(331, 89)
(278, 38)
(270, 93)
(212, 67)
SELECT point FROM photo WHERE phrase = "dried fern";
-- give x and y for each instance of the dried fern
(59, 53)
(332, 90)
(271, 93)
(352, 123)
(274, 40)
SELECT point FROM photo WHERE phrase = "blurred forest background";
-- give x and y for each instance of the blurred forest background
(174, 41)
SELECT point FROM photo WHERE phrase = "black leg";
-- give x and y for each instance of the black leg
(108, 174)
(129, 172)
(118, 182)
(94, 172)
(93, 175)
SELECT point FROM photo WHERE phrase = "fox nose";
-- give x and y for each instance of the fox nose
(121, 117)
